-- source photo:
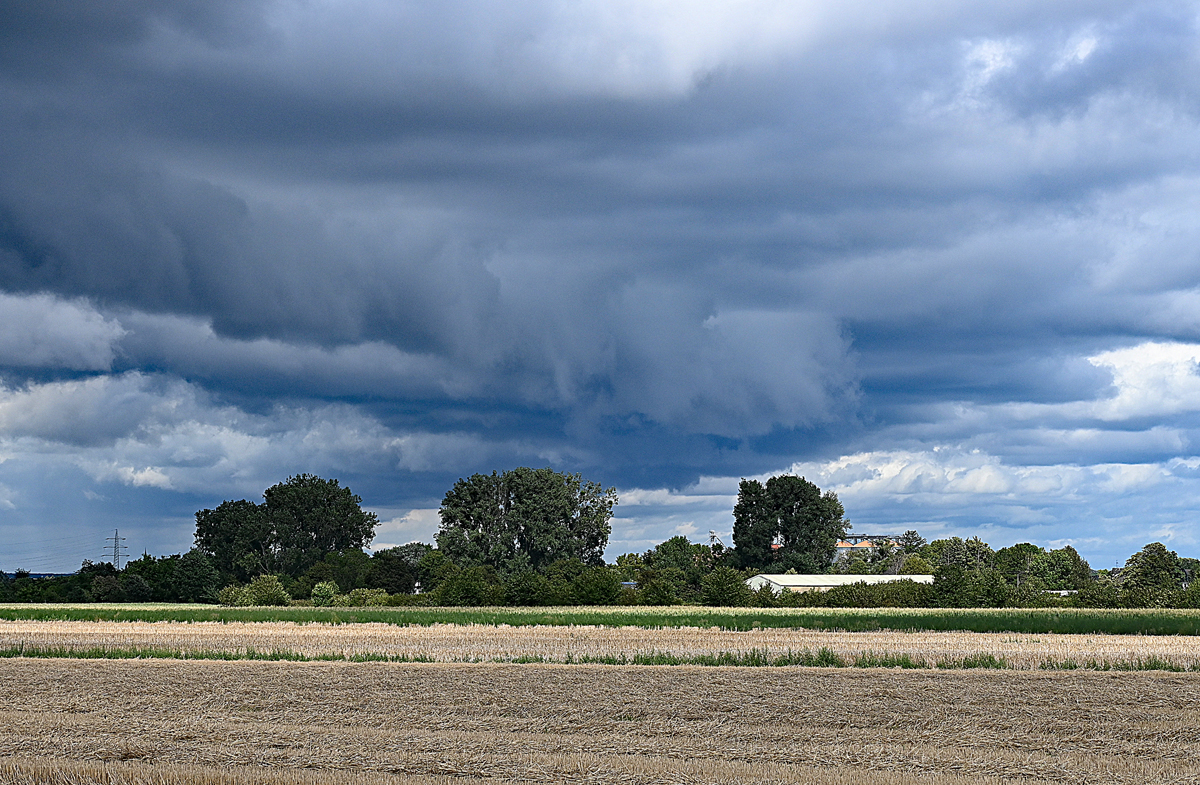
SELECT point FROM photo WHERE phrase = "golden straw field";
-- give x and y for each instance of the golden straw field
(480, 643)
(328, 723)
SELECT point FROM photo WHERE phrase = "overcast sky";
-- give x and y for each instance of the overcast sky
(940, 257)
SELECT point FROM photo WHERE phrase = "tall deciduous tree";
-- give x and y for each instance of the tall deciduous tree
(300, 521)
(1063, 568)
(397, 570)
(794, 514)
(312, 517)
(525, 519)
(1152, 569)
(239, 539)
(195, 579)
(1016, 561)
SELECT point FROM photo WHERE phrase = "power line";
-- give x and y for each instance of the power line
(9, 544)
(118, 550)
(72, 557)
(21, 553)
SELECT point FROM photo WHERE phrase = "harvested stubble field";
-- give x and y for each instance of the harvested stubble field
(459, 643)
(321, 723)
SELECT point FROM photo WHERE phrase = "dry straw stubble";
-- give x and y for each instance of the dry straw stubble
(483, 643)
(600, 724)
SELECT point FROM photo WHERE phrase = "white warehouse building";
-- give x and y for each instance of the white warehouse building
(780, 583)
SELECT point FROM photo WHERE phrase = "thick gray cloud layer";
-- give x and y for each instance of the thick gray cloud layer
(655, 243)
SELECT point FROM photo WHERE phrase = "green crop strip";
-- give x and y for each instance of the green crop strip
(754, 658)
(1026, 620)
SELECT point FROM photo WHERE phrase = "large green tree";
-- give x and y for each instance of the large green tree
(1151, 571)
(312, 517)
(195, 579)
(525, 519)
(239, 539)
(1016, 561)
(1063, 568)
(300, 521)
(794, 514)
(397, 570)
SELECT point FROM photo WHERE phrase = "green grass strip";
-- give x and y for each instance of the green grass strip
(160, 653)
(754, 658)
(1018, 620)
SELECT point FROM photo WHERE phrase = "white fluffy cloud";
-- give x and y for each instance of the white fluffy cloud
(418, 525)
(153, 431)
(1152, 380)
(44, 331)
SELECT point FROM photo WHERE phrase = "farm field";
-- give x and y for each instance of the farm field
(320, 723)
(605, 645)
(1152, 621)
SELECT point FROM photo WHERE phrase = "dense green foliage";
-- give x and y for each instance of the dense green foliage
(263, 590)
(535, 538)
(525, 520)
(299, 523)
(176, 578)
(791, 513)
(1144, 621)
(673, 571)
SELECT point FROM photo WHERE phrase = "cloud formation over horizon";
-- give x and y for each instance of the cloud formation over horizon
(941, 256)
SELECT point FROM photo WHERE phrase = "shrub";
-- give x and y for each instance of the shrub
(324, 593)
(527, 589)
(724, 586)
(897, 594)
(596, 586)
(473, 586)
(367, 597)
(233, 595)
(959, 587)
(658, 590)
(765, 597)
(136, 588)
(1103, 593)
(267, 590)
(106, 588)
(629, 596)
(1148, 597)
(1189, 597)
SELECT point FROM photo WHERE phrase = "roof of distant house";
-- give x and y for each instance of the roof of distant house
(830, 581)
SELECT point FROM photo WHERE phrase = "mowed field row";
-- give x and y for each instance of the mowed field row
(228, 723)
(574, 644)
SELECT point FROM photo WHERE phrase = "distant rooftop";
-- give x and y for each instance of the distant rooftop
(824, 582)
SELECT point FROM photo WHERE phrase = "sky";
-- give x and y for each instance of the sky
(940, 257)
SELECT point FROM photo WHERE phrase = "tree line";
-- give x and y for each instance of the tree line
(537, 537)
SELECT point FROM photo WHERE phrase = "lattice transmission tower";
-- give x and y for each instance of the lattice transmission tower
(118, 550)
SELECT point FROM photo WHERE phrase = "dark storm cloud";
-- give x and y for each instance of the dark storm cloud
(658, 245)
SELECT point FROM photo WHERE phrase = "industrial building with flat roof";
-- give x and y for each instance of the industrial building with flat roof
(780, 583)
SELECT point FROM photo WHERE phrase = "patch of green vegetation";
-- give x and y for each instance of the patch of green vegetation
(160, 653)
(883, 660)
(973, 661)
(1150, 621)
(755, 658)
